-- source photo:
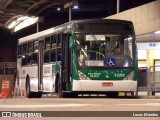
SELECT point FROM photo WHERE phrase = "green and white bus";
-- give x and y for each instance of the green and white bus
(77, 58)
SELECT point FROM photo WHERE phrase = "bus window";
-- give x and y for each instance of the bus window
(24, 60)
(59, 54)
(118, 49)
(128, 46)
(20, 50)
(30, 47)
(34, 59)
(58, 41)
(53, 42)
(46, 56)
(35, 46)
(53, 55)
(29, 59)
(90, 54)
(1, 71)
(47, 43)
(24, 48)
(9, 71)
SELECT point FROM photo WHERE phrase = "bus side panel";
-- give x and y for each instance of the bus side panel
(48, 78)
(31, 71)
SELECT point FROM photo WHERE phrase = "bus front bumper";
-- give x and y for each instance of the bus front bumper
(104, 86)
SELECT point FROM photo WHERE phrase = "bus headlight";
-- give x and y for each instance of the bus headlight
(129, 77)
(83, 77)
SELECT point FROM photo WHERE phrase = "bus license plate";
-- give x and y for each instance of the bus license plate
(107, 84)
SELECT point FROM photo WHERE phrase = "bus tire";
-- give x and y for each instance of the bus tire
(112, 94)
(38, 95)
(59, 88)
(73, 95)
(29, 94)
(132, 94)
(61, 94)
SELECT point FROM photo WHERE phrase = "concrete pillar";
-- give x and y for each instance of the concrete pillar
(150, 59)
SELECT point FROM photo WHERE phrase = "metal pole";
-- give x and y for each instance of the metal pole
(118, 6)
(70, 13)
(37, 27)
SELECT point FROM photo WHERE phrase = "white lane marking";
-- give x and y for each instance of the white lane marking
(43, 106)
(143, 104)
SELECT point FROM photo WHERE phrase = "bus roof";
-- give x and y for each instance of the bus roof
(65, 26)
(45, 33)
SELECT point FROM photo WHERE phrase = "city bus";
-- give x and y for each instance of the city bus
(78, 57)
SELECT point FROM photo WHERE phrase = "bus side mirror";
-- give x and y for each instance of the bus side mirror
(71, 42)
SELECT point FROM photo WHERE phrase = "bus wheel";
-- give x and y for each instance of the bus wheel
(112, 94)
(59, 88)
(29, 94)
(73, 95)
(61, 94)
(38, 95)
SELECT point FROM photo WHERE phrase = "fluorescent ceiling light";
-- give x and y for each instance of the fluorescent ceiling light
(59, 9)
(22, 18)
(157, 32)
(1, 12)
(26, 23)
(20, 22)
(75, 7)
(12, 24)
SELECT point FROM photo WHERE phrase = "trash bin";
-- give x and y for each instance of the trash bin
(6, 86)
(142, 78)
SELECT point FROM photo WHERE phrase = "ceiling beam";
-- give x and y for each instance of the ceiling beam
(46, 7)
(35, 4)
(15, 11)
(7, 3)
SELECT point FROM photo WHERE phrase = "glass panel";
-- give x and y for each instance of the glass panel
(30, 47)
(2, 64)
(47, 43)
(59, 54)
(20, 50)
(34, 59)
(29, 59)
(108, 50)
(53, 42)
(142, 63)
(9, 70)
(24, 62)
(1, 71)
(58, 41)
(46, 56)
(157, 63)
(36, 43)
(53, 55)
(25, 49)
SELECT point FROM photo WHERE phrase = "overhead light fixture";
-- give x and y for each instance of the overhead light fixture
(1, 12)
(75, 7)
(157, 32)
(26, 23)
(71, 4)
(22, 18)
(58, 8)
(12, 24)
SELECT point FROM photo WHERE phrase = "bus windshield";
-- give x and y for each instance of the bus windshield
(105, 50)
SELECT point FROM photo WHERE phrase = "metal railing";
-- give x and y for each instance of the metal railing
(153, 81)
(149, 80)
(7, 68)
